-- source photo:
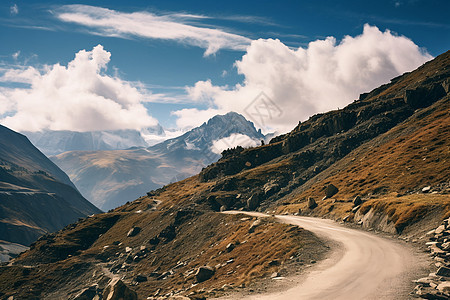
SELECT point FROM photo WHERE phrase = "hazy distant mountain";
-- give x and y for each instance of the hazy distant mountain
(36, 196)
(111, 178)
(55, 142)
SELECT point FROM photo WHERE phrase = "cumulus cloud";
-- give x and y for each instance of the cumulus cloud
(79, 97)
(236, 139)
(298, 83)
(174, 27)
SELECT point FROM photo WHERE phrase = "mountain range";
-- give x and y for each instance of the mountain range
(111, 178)
(53, 142)
(36, 197)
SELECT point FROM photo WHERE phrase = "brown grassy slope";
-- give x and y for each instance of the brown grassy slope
(410, 156)
(85, 253)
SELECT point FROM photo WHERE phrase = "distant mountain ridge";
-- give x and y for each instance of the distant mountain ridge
(36, 197)
(111, 178)
(53, 142)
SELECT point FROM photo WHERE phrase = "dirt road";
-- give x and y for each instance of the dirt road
(364, 266)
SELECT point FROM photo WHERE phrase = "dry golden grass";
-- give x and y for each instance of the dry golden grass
(419, 158)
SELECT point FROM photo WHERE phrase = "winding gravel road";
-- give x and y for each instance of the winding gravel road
(364, 266)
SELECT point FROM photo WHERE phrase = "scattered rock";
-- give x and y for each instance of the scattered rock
(134, 231)
(331, 190)
(204, 273)
(437, 285)
(311, 203)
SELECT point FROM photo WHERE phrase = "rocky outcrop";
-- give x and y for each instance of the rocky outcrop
(117, 290)
(437, 285)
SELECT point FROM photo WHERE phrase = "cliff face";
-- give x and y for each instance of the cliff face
(36, 197)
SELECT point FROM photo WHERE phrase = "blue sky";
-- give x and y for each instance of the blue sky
(180, 57)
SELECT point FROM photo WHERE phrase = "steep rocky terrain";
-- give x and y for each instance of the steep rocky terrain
(111, 178)
(36, 197)
(380, 163)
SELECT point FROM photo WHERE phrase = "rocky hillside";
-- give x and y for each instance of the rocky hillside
(111, 178)
(36, 197)
(382, 162)
(394, 139)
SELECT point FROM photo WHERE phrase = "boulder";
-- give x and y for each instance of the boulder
(133, 231)
(311, 203)
(357, 201)
(117, 290)
(331, 190)
(443, 271)
(204, 273)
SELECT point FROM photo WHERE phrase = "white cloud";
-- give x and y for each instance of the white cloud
(236, 139)
(301, 82)
(77, 97)
(14, 9)
(175, 27)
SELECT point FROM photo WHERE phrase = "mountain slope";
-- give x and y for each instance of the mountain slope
(36, 197)
(111, 178)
